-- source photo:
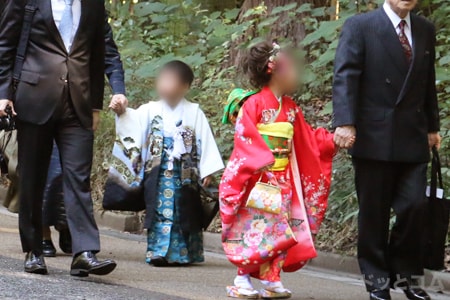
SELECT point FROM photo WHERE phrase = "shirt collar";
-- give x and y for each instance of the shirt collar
(395, 19)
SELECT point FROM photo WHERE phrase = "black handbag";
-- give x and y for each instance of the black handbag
(438, 219)
(210, 207)
(119, 195)
(198, 208)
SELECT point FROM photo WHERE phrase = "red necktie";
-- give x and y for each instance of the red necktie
(404, 41)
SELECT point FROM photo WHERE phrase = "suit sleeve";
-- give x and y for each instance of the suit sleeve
(113, 63)
(97, 62)
(11, 19)
(431, 104)
(349, 64)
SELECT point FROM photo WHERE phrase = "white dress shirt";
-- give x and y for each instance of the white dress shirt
(58, 7)
(395, 19)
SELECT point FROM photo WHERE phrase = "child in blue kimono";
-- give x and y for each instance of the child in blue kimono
(174, 146)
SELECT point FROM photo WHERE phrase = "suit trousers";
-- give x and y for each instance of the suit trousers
(54, 211)
(75, 143)
(390, 256)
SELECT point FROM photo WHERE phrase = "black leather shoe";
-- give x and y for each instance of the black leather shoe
(380, 295)
(65, 241)
(87, 263)
(35, 264)
(416, 294)
(48, 249)
(159, 261)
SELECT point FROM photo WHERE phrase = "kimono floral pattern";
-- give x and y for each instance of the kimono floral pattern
(314, 192)
(240, 132)
(269, 115)
(232, 169)
(292, 113)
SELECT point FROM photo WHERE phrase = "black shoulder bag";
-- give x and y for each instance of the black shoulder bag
(438, 218)
(30, 10)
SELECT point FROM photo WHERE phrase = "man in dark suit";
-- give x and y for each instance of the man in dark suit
(386, 112)
(53, 205)
(58, 97)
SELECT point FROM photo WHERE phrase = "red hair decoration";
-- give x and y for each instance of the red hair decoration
(274, 59)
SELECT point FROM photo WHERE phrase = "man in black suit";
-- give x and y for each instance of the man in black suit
(386, 112)
(53, 204)
(58, 97)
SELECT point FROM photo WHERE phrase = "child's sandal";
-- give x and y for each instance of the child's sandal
(242, 293)
(267, 294)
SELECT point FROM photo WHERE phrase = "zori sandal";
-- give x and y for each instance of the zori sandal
(242, 293)
(274, 290)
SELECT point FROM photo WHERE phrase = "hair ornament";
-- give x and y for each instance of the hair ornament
(274, 58)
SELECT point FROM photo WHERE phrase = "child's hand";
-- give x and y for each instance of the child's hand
(119, 104)
(207, 181)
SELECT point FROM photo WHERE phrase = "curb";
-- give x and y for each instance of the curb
(118, 221)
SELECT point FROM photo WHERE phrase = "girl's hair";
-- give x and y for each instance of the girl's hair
(255, 63)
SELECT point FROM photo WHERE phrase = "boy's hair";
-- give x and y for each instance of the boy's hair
(181, 69)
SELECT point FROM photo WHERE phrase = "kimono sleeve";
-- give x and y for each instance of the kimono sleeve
(315, 155)
(130, 137)
(210, 160)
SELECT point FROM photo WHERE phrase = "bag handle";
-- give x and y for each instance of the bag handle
(436, 173)
(30, 10)
(270, 176)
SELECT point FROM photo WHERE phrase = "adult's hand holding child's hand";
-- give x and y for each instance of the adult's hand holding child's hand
(119, 104)
(345, 137)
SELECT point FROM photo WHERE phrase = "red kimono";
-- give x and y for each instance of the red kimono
(304, 184)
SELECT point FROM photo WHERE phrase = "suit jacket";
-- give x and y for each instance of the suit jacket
(392, 104)
(113, 63)
(49, 70)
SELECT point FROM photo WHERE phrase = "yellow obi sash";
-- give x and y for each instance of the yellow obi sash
(278, 136)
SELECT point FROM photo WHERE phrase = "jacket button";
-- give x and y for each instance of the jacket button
(388, 81)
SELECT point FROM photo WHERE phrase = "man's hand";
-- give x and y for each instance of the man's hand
(119, 104)
(95, 119)
(345, 137)
(4, 103)
(434, 140)
(207, 181)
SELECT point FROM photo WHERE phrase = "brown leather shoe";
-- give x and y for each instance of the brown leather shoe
(87, 263)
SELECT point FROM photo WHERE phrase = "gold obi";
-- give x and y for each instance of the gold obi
(278, 136)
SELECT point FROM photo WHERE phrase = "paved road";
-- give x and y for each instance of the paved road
(133, 279)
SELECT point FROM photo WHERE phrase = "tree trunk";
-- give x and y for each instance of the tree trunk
(293, 30)
(287, 27)
(214, 5)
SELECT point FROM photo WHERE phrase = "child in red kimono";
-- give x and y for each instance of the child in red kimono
(273, 143)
